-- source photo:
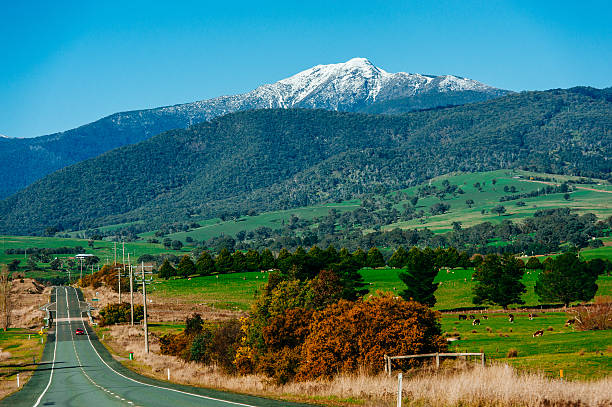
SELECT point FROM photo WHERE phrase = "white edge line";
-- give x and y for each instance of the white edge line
(152, 385)
(53, 365)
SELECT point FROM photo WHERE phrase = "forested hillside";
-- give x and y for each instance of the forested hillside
(349, 87)
(23, 161)
(274, 159)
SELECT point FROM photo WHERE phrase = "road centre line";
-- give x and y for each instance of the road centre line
(53, 364)
(152, 385)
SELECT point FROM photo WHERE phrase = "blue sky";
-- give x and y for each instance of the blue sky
(68, 63)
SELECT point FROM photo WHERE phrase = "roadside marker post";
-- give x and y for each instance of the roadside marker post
(399, 390)
(17, 380)
(168, 374)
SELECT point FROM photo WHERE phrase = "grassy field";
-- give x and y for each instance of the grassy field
(273, 220)
(581, 355)
(581, 200)
(237, 290)
(19, 348)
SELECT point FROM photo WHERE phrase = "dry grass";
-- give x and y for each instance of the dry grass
(470, 385)
(160, 309)
(28, 295)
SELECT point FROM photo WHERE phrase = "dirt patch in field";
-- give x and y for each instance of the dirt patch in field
(159, 310)
(28, 296)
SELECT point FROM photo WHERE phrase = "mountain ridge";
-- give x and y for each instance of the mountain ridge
(349, 86)
(282, 158)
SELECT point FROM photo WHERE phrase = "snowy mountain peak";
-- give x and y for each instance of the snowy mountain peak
(349, 86)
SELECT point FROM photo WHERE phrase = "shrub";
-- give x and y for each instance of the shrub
(595, 317)
(175, 344)
(120, 313)
(200, 347)
(224, 345)
(349, 335)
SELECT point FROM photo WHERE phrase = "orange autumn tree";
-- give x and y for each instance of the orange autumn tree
(348, 335)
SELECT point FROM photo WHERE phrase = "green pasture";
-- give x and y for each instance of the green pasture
(581, 200)
(228, 291)
(579, 354)
(455, 289)
(238, 290)
(273, 220)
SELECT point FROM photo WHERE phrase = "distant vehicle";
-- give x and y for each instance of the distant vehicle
(79, 331)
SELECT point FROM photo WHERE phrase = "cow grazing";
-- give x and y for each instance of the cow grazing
(511, 318)
(570, 322)
(538, 333)
(472, 317)
(485, 317)
(476, 322)
(462, 317)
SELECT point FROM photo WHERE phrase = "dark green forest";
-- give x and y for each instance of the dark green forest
(278, 159)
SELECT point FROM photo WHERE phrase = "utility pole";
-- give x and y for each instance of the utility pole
(144, 303)
(144, 296)
(123, 265)
(131, 293)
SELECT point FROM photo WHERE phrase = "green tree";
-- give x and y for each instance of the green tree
(360, 257)
(498, 281)
(419, 278)
(55, 264)
(31, 263)
(266, 260)
(469, 202)
(252, 260)
(375, 258)
(398, 258)
(223, 261)
(238, 261)
(533, 263)
(176, 244)
(205, 265)
(499, 210)
(13, 265)
(351, 280)
(567, 279)
(283, 260)
(186, 267)
(166, 270)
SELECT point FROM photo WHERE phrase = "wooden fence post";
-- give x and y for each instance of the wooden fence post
(437, 360)
(385, 361)
(483, 359)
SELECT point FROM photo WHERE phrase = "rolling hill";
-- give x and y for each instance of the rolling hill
(282, 158)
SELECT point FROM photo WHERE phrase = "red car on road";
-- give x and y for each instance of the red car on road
(79, 331)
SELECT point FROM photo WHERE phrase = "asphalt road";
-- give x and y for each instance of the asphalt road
(78, 371)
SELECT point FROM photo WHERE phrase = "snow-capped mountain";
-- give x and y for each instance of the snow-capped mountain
(348, 86)
(356, 86)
